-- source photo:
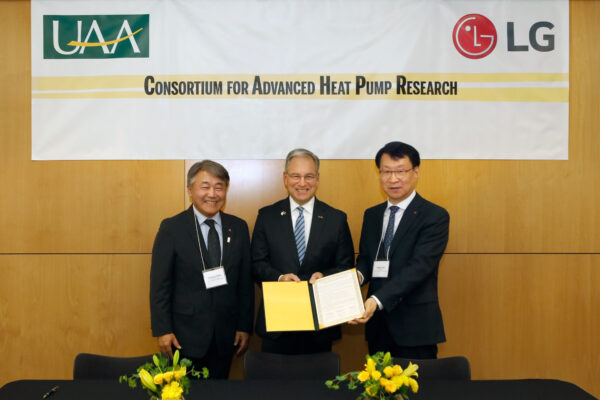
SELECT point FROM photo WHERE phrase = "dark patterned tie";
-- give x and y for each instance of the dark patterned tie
(389, 234)
(214, 247)
(299, 235)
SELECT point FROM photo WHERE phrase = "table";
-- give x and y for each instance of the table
(530, 389)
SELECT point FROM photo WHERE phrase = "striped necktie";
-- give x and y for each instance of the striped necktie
(389, 234)
(299, 235)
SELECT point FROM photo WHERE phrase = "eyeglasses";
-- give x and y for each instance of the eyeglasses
(308, 178)
(400, 173)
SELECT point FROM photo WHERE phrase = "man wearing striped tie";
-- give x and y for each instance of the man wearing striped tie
(299, 238)
(401, 244)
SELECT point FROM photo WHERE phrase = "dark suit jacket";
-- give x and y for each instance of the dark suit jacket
(329, 250)
(179, 300)
(409, 294)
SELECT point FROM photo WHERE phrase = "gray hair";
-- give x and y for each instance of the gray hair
(301, 153)
(212, 167)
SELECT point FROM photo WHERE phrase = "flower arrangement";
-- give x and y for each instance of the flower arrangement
(381, 379)
(163, 381)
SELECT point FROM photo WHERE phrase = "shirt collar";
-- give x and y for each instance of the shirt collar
(404, 203)
(308, 207)
(201, 217)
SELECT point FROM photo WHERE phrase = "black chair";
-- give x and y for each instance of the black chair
(95, 366)
(454, 368)
(259, 365)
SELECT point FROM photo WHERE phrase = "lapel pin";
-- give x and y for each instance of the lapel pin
(228, 239)
(415, 212)
(229, 230)
(283, 213)
(320, 216)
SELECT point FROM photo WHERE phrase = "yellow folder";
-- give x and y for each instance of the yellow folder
(299, 306)
(288, 306)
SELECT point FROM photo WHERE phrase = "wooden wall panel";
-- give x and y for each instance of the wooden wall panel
(53, 307)
(524, 316)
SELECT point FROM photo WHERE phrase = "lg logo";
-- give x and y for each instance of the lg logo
(475, 36)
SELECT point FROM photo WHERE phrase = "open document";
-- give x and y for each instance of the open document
(298, 306)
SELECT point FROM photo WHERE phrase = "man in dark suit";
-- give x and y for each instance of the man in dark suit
(401, 244)
(299, 238)
(201, 289)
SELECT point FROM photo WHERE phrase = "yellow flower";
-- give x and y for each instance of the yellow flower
(413, 385)
(370, 365)
(397, 369)
(372, 390)
(172, 391)
(168, 376)
(411, 370)
(383, 381)
(390, 387)
(147, 380)
(388, 371)
(158, 379)
(398, 380)
(363, 376)
(375, 374)
(179, 374)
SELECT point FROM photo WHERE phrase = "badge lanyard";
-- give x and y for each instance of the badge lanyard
(213, 277)
(381, 268)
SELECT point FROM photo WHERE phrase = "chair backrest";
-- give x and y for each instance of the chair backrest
(454, 368)
(95, 366)
(259, 365)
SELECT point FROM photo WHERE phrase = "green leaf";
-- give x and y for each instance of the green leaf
(184, 362)
(175, 358)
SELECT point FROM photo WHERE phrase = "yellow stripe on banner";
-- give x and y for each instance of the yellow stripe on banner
(546, 95)
(137, 81)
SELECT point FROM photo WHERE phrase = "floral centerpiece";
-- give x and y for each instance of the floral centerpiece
(381, 379)
(164, 381)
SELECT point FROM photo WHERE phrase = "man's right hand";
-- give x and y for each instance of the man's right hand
(289, 278)
(166, 343)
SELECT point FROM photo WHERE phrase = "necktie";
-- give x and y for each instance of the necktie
(299, 235)
(389, 234)
(214, 247)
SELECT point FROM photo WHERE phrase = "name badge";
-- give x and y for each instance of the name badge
(214, 277)
(381, 269)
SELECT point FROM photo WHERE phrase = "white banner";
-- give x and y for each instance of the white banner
(252, 79)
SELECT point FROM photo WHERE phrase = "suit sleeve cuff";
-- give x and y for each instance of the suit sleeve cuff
(362, 277)
(379, 305)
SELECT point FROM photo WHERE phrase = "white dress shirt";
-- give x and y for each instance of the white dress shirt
(307, 212)
(403, 205)
(205, 228)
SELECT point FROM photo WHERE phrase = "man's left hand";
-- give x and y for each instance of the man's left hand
(241, 340)
(370, 308)
(314, 277)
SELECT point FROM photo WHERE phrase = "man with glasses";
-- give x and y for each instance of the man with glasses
(299, 238)
(201, 289)
(401, 244)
